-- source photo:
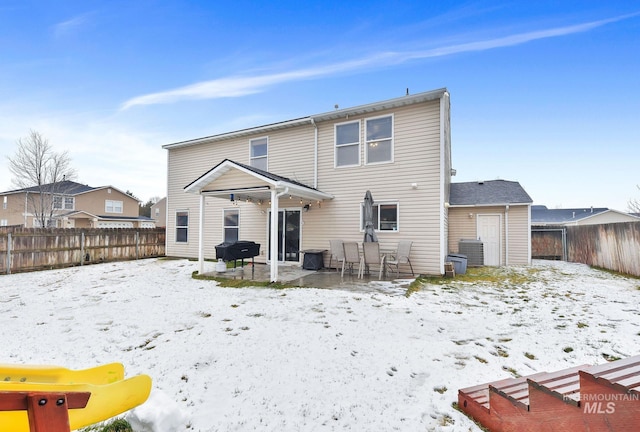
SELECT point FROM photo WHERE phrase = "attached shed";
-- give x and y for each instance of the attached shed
(497, 213)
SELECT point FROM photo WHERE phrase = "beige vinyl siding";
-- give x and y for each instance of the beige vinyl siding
(14, 213)
(463, 226)
(290, 154)
(519, 235)
(417, 159)
(161, 217)
(184, 166)
(94, 202)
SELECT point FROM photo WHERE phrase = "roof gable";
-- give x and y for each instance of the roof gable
(271, 180)
(330, 115)
(540, 214)
(65, 187)
(485, 193)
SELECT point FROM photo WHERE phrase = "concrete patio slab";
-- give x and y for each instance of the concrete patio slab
(324, 279)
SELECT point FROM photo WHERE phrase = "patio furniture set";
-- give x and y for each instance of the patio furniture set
(349, 254)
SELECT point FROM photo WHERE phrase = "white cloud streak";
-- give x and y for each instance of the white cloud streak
(236, 86)
(70, 26)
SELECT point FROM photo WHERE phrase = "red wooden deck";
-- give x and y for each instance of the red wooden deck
(583, 398)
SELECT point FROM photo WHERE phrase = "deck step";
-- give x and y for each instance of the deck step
(563, 384)
(568, 399)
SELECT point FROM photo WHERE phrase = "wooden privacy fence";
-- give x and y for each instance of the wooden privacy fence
(27, 249)
(614, 246)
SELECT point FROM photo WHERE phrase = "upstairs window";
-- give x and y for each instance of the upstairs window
(259, 148)
(347, 138)
(4, 202)
(111, 206)
(231, 225)
(379, 143)
(182, 226)
(63, 203)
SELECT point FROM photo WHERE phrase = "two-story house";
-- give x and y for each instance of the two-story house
(68, 204)
(296, 184)
(159, 213)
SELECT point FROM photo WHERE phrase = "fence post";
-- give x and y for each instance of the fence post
(82, 248)
(8, 253)
(137, 244)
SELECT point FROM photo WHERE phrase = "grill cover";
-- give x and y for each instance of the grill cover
(239, 250)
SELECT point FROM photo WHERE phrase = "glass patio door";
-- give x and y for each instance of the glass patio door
(288, 235)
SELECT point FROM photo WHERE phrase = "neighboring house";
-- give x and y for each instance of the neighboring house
(74, 206)
(302, 183)
(542, 216)
(496, 212)
(549, 227)
(159, 213)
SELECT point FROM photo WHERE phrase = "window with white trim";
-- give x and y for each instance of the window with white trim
(231, 225)
(259, 151)
(4, 202)
(347, 140)
(63, 203)
(4, 222)
(182, 226)
(379, 141)
(112, 206)
(385, 217)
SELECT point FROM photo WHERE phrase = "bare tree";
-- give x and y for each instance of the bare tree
(634, 204)
(40, 170)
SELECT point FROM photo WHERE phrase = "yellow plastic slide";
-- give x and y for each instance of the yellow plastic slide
(111, 394)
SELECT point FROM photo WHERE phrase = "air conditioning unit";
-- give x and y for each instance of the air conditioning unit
(473, 249)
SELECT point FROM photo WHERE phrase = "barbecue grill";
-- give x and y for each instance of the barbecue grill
(234, 251)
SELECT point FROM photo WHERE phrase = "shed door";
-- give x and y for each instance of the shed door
(490, 233)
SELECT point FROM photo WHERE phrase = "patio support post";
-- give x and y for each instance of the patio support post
(201, 237)
(274, 236)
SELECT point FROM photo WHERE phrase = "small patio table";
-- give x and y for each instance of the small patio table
(313, 259)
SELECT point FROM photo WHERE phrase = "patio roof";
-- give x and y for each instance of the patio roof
(260, 190)
(255, 185)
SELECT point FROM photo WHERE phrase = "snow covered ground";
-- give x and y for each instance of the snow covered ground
(228, 359)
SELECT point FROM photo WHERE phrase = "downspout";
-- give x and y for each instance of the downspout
(26, 198)
(315, 154)
(274, 231)
(506, 234)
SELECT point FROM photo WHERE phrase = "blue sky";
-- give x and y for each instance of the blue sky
(546, 93)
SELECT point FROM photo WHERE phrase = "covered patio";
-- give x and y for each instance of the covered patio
(235, 181)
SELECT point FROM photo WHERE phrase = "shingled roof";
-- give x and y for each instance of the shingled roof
(542, 214)
(491, 192)
(65, 187)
